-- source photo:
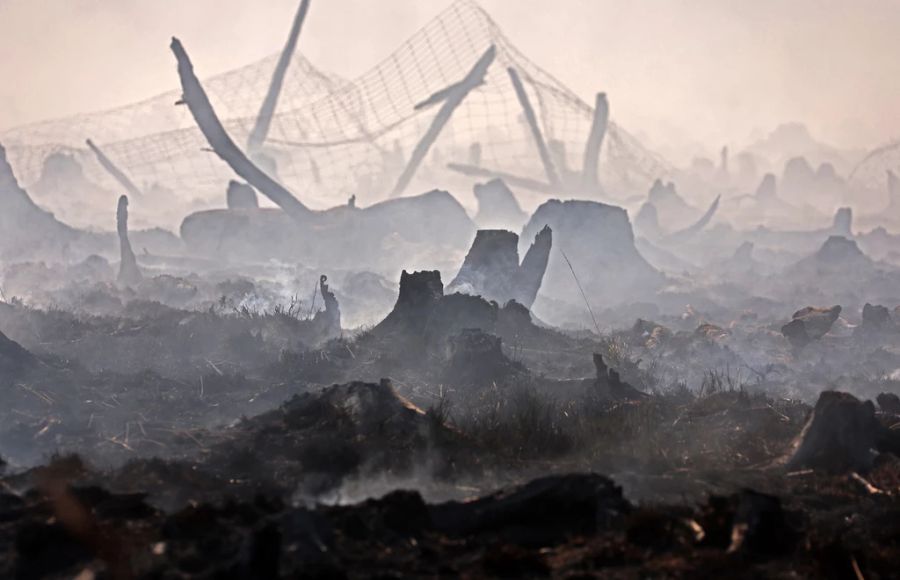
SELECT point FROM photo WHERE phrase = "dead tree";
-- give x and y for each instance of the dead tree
(114, 171)
(452, 98)
(590, 179)
(129, 273)
(201, 109)
(264, 118)
(537, 135)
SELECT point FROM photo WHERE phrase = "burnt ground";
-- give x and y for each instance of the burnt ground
(458, 437)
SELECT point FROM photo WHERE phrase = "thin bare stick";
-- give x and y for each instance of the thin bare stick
(583, 295)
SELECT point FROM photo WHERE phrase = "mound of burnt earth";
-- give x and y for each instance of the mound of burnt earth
(598, 241)
(558, 526)
(382, 237)
(840, 270)
(316, 441)
(492, 270)
(838, 254)
(419, 329)
(50, 405)
(810, 324)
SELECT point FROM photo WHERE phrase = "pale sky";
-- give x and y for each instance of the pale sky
(677, 71)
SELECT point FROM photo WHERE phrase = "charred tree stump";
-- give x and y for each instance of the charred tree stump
(498, 206)
(839, 436)
(476, 358)
(491, 268)
(241, 196)
(609, 385)
(533, 268)
(328, 320)
(129, 273)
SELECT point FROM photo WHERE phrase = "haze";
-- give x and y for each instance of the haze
(679, 73)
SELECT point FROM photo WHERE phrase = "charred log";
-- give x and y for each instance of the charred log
(541, 512)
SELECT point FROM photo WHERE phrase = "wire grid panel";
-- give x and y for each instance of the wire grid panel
(331, 138)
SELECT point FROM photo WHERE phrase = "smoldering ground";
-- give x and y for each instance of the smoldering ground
(446, 317)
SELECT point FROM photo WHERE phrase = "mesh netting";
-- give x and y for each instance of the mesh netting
(331, 138)
(871, 173)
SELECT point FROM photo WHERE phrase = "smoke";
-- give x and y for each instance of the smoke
(684, 75)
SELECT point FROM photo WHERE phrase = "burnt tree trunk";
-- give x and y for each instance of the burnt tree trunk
(129, 273)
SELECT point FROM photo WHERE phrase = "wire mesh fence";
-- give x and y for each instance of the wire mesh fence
(331, 138)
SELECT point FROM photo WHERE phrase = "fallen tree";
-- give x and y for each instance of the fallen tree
(194, 96)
